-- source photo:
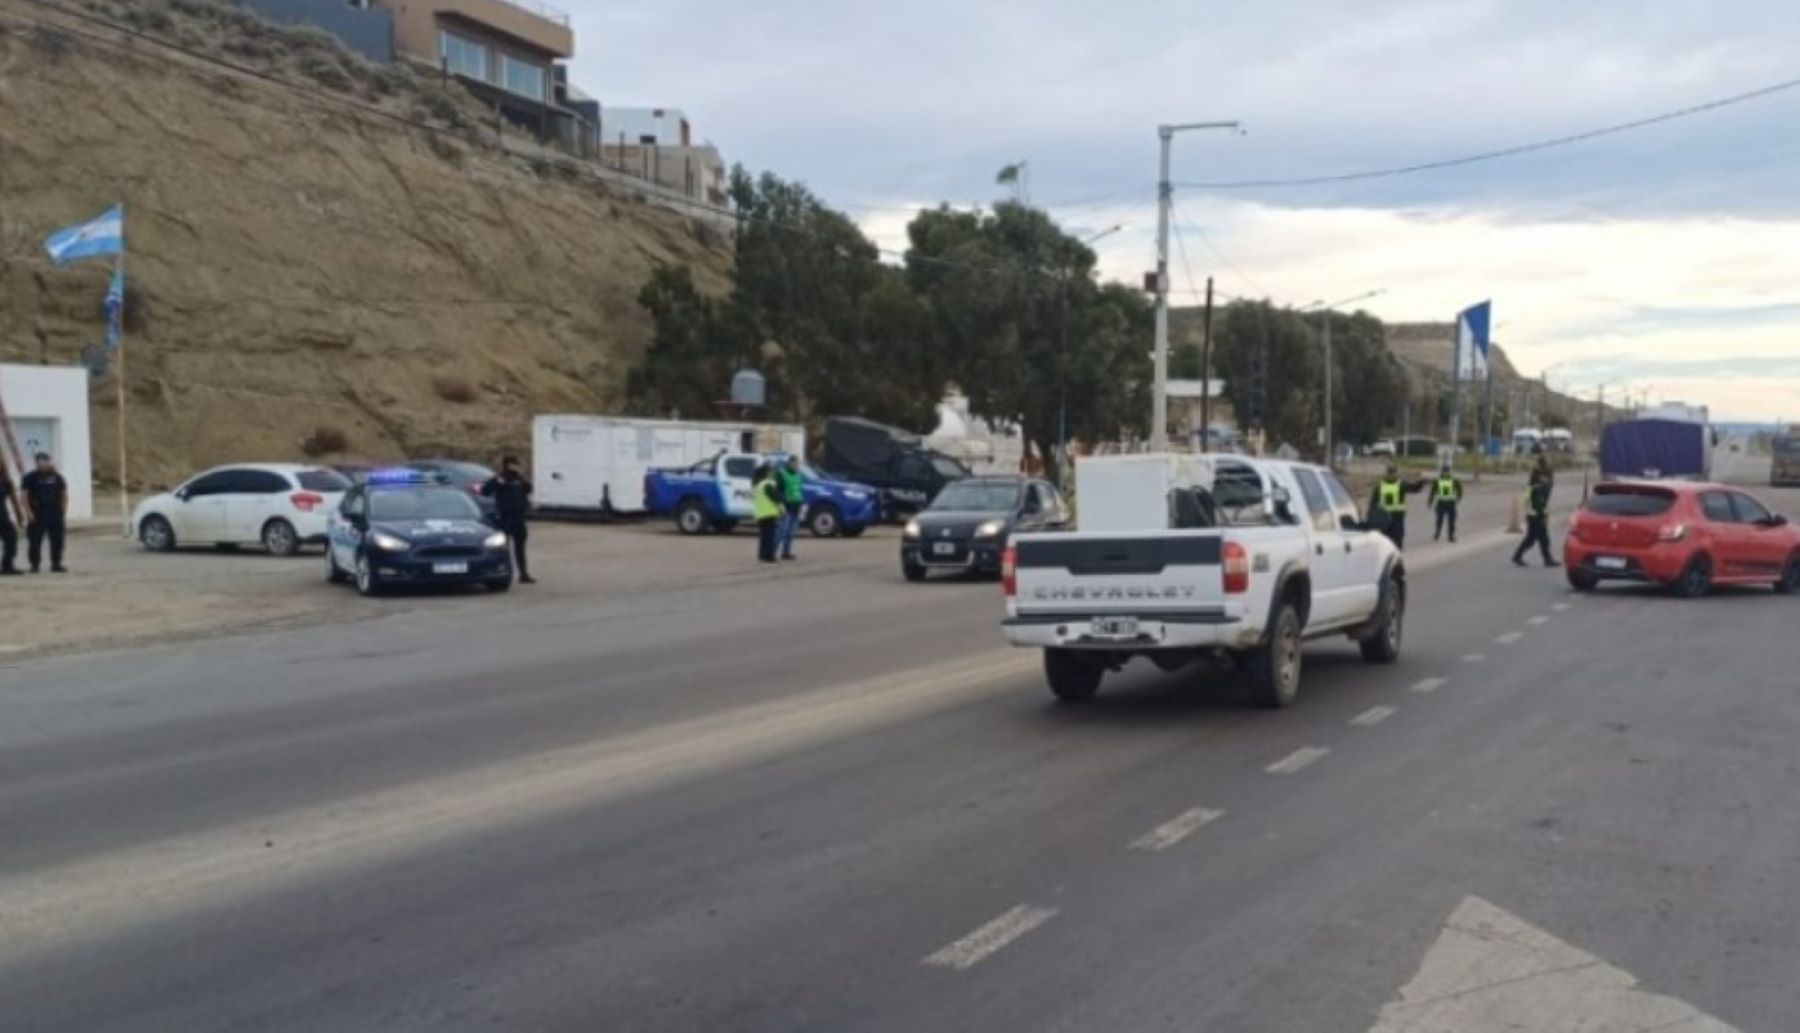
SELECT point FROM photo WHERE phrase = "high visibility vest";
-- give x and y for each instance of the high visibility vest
(1446, 489)
(1393, 497)
(762, 501)
(792, 486)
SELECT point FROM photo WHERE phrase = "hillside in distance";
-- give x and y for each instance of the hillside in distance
(342, 263)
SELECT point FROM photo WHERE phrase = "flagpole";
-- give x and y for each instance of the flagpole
(1455, 385)
(119, 384)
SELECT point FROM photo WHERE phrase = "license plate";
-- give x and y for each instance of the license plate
(943, 549)
(1610, 562)
(449, 568)
(1113, 627)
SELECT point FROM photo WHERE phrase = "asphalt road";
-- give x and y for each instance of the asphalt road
(833, 802)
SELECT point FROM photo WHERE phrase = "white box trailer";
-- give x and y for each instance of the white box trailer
(596, 464)
(1131, 492)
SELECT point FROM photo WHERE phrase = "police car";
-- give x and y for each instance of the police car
(407, 528)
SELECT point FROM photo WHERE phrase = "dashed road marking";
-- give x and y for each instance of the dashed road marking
(1538, 621)
(1560, 607)
(1373, 716)
(1474, 658)
(1509, 638)
(1176, 829)
(1296, 760)
(1430, 684)
(984, 942)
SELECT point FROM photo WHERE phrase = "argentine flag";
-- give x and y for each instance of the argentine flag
(100, 237)
(1472, 340)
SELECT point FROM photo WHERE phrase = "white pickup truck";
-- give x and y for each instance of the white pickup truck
(1182, 558)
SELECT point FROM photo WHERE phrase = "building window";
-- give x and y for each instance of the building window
(463, 57)
(522, 77)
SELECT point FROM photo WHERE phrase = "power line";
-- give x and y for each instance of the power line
(1505, 152)
(1220, 255)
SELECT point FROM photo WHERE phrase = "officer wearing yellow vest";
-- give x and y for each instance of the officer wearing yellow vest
(1387, 507)
(1446, 499)
(766, 508)
(1537, 520)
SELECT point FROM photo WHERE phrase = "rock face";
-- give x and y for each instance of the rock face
(311, 271)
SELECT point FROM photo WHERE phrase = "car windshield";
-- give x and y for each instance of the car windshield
(425, 503)
(322, 480)
(1630, 502)
(949, 468)
(978, 497)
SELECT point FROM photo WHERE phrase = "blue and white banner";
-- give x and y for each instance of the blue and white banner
(100, 237)
(1472, 341)
(114, 308)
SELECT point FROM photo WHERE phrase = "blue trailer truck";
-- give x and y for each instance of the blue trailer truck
(1656, 449)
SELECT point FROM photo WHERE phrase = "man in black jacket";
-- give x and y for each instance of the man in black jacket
(1537, 521)
(511, 493)
(46, 496)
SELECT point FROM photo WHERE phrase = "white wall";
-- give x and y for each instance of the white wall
(58, 394)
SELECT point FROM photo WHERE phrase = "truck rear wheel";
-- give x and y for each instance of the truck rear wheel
(1274, 667)
(1072, 678)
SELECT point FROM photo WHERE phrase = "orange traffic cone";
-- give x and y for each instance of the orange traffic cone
(1512, 518)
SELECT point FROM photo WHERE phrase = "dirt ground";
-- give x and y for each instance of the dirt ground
(118, 594)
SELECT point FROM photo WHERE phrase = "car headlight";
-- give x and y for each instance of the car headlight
(388, 543)
(991, 529)
(497, 540)
(912, 529)
(856, 496)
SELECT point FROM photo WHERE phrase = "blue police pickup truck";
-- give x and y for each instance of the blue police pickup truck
(714, 495)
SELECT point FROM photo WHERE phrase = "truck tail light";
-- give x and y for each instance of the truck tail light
(1009, 570)
(1234, 568)
(306, 501)
(1672, 533)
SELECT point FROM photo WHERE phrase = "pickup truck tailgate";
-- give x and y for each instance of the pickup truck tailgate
(1149, 574)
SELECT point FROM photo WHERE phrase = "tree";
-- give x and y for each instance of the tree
(699, 342)
(1029, 335)
(1268, 359)
(1369, 388)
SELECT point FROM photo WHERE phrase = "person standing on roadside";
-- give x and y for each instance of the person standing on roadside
(9, 534)
(511, 493)
(1537, 521)
(793, 503)
(766, 508)
(46, 496)
(1446, 499)
(1389, 500)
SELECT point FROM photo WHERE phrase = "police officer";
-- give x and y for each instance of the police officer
(1537, 521)
(511, 493)
(766, 508)
(1446, 499)
(793, 502)
(1389, 501)
(9, 534)
(46, 496)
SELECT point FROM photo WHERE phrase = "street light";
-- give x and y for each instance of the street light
(1331, 366)
(1165, 196)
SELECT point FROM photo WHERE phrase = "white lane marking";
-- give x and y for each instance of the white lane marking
(1509, 638)
(1491, 971)
(59, 908)
(1474, 658)
(1560, 607)
(1430, 684)
(1176, 829)
(1538, 621)
(1296, 760)
(981, 944)
(1373, 716)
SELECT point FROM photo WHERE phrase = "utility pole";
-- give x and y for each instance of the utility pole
(1325, 432)
(1206, 372)
(1165, 201)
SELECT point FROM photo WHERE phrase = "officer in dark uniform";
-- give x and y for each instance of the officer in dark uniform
(511, 493)
(9, 534)
(1446, 499)
(1537, 521)
(46, 494)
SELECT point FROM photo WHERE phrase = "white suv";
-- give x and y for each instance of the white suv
(280, 505)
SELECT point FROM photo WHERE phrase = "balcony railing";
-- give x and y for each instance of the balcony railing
(542, 10)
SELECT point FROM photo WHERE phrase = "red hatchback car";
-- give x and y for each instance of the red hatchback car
(1689, 537)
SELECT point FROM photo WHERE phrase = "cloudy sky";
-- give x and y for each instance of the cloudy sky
(1666, 259)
